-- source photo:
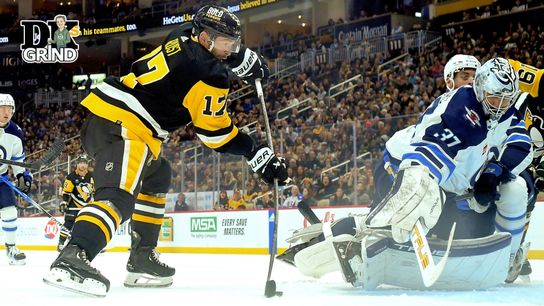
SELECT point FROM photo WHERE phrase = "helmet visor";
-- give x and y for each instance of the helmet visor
(223, 42)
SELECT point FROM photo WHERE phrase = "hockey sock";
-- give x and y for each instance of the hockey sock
(147, 217)
(94, 227)
(9, 223)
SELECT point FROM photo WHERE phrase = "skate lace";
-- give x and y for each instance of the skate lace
(83, 257)
(155, 257)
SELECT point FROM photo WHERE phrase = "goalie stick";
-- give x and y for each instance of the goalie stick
(33, 203)
(270, 287)
(53, 152)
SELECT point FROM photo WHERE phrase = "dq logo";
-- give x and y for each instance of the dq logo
(51, 41)
(51, 229)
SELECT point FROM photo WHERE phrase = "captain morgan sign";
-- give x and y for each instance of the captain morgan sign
(50, 41)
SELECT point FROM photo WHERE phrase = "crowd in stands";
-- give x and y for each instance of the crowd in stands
(312, 140)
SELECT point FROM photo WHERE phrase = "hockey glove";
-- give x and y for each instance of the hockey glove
(485, 188)
(539, 174)
(24, 181)
(249, 66)
(268, 166)
(63, 207)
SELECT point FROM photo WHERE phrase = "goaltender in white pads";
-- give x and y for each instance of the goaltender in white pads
(454, 150)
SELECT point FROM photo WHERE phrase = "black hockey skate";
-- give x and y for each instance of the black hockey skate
(349, 256)
(526, 269)
(145, 270)
(289, 255)
(15, 257)
(72, 271)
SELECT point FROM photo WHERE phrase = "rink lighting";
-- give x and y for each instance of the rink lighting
(303, 24)
(279, 21)
(418, 14)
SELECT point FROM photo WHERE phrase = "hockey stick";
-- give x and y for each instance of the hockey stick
(270, 287)
(33, 203)
(430, 272)
(53, 152)
(307, 212)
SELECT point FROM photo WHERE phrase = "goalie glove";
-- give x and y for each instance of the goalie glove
(249, 66)
(24, 181)
(415, 195)
(485, 188)
(269, 167)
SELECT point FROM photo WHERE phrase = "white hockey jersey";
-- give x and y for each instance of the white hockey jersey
(455, 141)
(11, 147)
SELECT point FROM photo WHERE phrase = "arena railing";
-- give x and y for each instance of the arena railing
(307, 103)
(343, 87)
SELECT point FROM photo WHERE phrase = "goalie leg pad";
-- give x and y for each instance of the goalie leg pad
(415, 195)
(318, 259)
(511, 210)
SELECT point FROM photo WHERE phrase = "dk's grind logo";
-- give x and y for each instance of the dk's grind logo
(50, 41)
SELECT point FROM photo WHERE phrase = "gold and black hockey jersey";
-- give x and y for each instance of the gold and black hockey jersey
(77, 189)
(177, 83)
(531, 103)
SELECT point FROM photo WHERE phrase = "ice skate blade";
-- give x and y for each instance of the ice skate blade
(17, 262)
(61, 279)
(144, 280)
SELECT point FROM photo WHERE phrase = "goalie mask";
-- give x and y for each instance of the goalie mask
(223, 28)
(496, 85)
(457, 63)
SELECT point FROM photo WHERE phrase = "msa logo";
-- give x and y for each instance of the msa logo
(203, 224)
(51, 41)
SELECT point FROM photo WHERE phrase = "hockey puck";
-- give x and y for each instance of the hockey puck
(270, 289)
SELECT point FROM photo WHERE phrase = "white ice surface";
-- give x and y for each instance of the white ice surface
(239, 280)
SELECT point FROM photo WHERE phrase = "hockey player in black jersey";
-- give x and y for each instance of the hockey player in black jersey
(78, 190)
(185, 79)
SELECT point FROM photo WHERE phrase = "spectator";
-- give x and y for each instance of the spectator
(266, 201)
(88, 83)
(181, 204)
(339, 198)
(326, 190)
(223, 201)
(294, 198)
(237, 202)
(308, 197)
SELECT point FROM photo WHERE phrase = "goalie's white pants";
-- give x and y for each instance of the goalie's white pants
(511, 210)
(9, 223)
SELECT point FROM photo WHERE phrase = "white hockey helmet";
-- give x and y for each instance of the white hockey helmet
(457, 63)
(496, 79)
(7, 99)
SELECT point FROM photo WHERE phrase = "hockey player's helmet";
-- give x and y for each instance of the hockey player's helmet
(7, 99)
(218, 21)
(496, 84)
(83, 158)
(457, 63)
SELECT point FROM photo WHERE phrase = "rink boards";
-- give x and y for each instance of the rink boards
(228, 232)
